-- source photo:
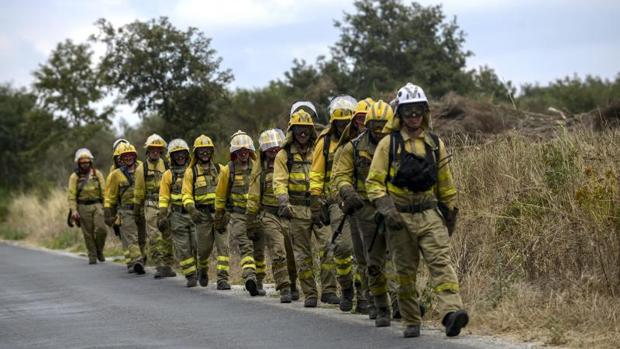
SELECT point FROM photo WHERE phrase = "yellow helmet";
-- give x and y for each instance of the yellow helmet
(203, 141)
(83, 153)
(240, 140)
(177, 145)
(300, 117)
(271, 138)
(125, 148)
(363, 106)
(118, 142)
(379, 111)
(155, 140)
(342, 108)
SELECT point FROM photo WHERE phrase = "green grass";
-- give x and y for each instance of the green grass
(7, 233)
(67, 239)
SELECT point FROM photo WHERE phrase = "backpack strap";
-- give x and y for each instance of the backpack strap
(327, 140)
(395, 141)
(194, 174)
(231, 181)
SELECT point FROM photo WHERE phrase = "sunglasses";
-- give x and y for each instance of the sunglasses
(411, 112)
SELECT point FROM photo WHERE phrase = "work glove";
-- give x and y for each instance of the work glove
(284, 207)
(252, 226)
(194, 213)
(162, 219)
(317, 209)
(385, 206)
(109, 216)
(220, 221)
(449, 216)
(351, 200)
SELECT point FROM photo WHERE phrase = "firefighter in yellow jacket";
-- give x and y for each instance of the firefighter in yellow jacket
(410, 184)
(199, 183)
(291, 185)
(349, 176)
(360, 278)
(263, 222)
(120, 200)
(324, 204)
(86, 191)
(231, 195)
(148, 177)
(173, 216)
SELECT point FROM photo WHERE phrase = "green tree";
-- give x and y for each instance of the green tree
(160, 69)
(70, 85)
(385, 43)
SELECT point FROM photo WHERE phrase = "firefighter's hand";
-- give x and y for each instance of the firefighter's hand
(316, 207)
(220, 221)
(385, 206)
(108, 216)
(162, 219)
(284, 207)
(75, 216)
(351, 200)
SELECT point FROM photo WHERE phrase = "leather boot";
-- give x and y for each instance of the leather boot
(294, 292)
(412, 331)
(346, 301)
(191, 280)
(203, 277)
(285, 295)
(260, 289)
(454, 322)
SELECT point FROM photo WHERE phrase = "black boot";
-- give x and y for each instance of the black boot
(412, 331)
(250, 286)
(362, 306)
(138, 268)
(310, 302)
(396, 310)
(346, 301)
(372, 310)
(159, 273)
(383, 317)
(330, 298)
(285, 295)
(100, 256)
(454, 322)
(169, 272)
(294, 292)
(260, 289)
(203, 277)
(223, 285)
(191, 280)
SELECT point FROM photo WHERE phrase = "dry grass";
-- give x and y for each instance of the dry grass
(538, 246)
(538, 243)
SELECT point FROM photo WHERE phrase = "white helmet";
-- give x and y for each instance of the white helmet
(307, 105)
(83, 153)
(177, 145)
(342, 108)
(271, 138)
(240, 140)
(408, 94)
(117, 142)
(155, 140)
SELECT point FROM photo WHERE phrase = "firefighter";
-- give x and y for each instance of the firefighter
(119, 206)
(86, 189)
(231, 197)
(410, 184)
(262, 219)
(199, 185)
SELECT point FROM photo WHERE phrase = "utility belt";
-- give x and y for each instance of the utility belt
(271, 209)
(89, 202)
(205, 208)
(417, 208)
(178, 209)
(299, 201)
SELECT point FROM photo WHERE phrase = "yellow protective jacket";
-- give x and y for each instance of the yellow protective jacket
(320, 171)
(91, 187)
(294, 183)
(232, 191)
(148, 177)
(170, 188)
(260, 193)
(352, 163)
(119, 191)
(199, 189)
(377, 186)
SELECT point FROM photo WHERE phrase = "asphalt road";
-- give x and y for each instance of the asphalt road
(50, 300)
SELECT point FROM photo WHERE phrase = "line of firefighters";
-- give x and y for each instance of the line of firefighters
(374, 189)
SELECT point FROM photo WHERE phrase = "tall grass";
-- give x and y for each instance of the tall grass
(538, 243)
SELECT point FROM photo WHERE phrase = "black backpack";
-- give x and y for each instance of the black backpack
(416, 173)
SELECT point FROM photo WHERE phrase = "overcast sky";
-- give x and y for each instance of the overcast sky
(524, 41)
